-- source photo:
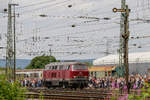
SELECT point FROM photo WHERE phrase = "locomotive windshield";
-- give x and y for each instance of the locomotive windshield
(79, 67)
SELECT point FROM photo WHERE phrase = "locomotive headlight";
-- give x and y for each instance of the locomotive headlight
(74, 76)
(86, 77)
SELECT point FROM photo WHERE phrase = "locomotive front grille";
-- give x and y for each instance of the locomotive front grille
(80, 78)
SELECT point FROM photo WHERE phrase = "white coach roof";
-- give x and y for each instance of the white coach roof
(142, 57)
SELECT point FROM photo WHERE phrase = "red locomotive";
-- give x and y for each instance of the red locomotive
(66, 74)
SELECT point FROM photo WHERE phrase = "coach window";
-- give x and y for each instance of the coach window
(36, 75)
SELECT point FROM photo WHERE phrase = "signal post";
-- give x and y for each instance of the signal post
(125, 37)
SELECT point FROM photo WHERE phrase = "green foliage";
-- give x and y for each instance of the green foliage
(141, 94)
(88, 64)
(41, 96)
(2, 68)
(40, 62)
(145, 92)
(18, 68)
(115, 95)
(10, 91)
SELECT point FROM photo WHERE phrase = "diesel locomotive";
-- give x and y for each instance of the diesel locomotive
(66, 74)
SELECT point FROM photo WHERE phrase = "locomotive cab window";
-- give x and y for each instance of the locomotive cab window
(68, 67)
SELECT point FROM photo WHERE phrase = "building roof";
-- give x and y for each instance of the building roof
(101, 68)
(142, 57)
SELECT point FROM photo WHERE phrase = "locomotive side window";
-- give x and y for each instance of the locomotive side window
(50, 67)
(65, 67)
(78, 67)
(55, 67)
(60, 67)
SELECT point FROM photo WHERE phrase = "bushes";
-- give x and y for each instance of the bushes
(10, 91)
(140, 94)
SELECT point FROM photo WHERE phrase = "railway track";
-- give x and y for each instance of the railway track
(67, 94)
(64, 97)
(68, 91)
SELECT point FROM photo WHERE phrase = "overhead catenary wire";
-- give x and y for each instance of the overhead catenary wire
(87, 31)
(79, 25)
(50, 6)
(36, 4)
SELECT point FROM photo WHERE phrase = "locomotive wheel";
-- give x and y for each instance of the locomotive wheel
(74, 86)
(65, 85)
(48, 84)
(81, 86)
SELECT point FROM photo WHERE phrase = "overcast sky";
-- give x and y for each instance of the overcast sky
(75, 29)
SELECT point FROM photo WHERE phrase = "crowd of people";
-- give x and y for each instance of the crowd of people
(134, 82)
(31, 82)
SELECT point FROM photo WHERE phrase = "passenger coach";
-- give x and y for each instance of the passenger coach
(66, 74)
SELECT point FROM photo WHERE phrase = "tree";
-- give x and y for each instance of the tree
(40, 62)
(88, 64)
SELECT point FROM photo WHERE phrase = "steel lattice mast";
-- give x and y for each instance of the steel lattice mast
(9, 49)
(121, 50)
(11, 44)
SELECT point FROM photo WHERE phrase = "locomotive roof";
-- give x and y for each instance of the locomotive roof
(62, 63)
